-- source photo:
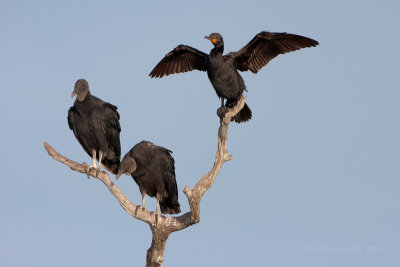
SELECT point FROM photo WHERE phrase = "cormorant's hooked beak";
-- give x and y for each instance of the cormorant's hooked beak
(73, 94)
(211, 39)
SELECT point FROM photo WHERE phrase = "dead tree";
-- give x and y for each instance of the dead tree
(161, 226)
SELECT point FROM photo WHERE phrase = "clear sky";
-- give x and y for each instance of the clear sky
(314, 179)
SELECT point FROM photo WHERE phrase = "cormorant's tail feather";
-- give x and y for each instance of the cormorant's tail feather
(243, 115)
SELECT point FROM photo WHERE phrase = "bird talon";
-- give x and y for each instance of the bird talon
(98, 170)
(221, 112)
(87, 169)
(143, 208)
(156, 216)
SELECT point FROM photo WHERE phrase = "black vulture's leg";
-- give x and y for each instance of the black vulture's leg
(143, 199)
(100, 158)
(158, 204)
(222, 102)
(94, 158)
(99, 167)
(157, 213)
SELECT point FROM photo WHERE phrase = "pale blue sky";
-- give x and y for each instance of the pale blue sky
(315, 175)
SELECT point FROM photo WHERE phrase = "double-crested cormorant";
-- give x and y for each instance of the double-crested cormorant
(95, 124)
(152, 168)
(223, 70)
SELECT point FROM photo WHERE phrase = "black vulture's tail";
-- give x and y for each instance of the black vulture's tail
(172, 207)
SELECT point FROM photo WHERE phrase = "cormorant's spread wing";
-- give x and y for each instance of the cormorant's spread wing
(264, 47)
(182, 59)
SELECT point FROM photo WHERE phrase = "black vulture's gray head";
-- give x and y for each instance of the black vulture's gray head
(81, 89)
(127, 166)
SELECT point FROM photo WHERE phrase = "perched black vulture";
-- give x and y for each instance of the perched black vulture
(223, 70)
(153, 169)
(95, 124)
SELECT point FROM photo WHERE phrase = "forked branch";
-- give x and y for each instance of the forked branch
(162, 226)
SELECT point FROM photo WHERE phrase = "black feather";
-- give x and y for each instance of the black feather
(223, 70)
(154, 173)
(95, 124)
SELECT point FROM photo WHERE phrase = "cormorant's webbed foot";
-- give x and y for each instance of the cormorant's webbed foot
(222, 111)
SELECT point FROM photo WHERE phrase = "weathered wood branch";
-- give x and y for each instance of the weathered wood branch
(162, 226)
(126, 204)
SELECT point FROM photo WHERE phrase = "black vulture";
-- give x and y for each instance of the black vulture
(223, 70)
(153, 169)
(95, 124)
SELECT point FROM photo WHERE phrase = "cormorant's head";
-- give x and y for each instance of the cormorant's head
(81, 89)
(127, 166)
(215, 38)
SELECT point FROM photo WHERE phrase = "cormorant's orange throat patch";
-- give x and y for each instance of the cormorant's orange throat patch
(214, 40)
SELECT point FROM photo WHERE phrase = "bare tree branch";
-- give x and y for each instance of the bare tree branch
(126, 204)
(162, 226)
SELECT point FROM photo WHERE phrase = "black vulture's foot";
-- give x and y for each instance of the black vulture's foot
(98, 170)
(87, 169)
(142, 207)
(156, 216)
(222, 111)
